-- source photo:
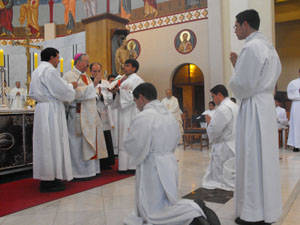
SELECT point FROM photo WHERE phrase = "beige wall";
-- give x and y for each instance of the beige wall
(159, 58)
(288, 47)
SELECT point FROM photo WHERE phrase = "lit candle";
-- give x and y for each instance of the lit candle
(1, 57)
(61, 65)
(72, 63)
(35, 60)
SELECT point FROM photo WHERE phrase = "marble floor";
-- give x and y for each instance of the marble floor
(109, 204)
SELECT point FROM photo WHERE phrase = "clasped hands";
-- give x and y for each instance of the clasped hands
(207, 119)
(233, 58)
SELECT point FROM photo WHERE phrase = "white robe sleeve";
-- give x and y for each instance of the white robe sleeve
(293, 90)
(58, 87)
(218, 123)
(23, 94)
(126, 89)
(86, 92)
(173, 107)
(126, 98)
(138, 141)
(83, 91)
(12, 93)
(281, 117)
(245, 77)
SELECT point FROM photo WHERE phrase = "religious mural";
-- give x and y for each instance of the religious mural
(69, 15)
(134, 48)
(6, 16)
(150, 8)
(31, 16)
(125, 9)
(29, 11)
(42, 2)
(185, 41)
(190, 3)
(90, 7)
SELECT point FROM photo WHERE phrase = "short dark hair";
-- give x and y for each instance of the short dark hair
(79, 58)
(233, 99)
(47, 53)
(220, 88)
(214, 104)
(135, 64)
(94, 63)
(278, 98)
(147, 90)
(251, 16)
(110, 76)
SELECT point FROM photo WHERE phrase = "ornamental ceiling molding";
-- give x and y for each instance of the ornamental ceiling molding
(173, 19)
(5, 42)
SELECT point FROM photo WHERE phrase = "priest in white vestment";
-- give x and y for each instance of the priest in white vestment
(51, 152)
(221, 129)
(17, 97)
(127, 111)
(293, 92)
(172, 105)
(151, 142)
(256, 70)
(104, 99)
(86, 137)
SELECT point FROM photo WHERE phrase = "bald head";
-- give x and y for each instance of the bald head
(169, 93)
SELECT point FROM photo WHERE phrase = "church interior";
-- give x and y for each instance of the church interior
(182, 45)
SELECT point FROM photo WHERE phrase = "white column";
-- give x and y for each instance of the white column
(215, 34)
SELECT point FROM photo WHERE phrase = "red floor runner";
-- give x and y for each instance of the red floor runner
(22, 194)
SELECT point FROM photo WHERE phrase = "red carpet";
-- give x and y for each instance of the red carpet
(22, 194)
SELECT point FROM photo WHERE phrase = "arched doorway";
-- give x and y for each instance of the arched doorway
(188, 88)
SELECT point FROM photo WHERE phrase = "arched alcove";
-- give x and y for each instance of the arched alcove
(188, 88)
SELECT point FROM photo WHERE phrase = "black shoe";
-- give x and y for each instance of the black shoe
(296, 150)
(132, 172)
(83, 179)
(238, 220)
(211, 216)
(52, 186)
(124, 171)
(199, 221)
(105, 168)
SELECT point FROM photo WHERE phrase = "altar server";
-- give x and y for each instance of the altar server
(127, 110)
(256, 70)
(51, 152)
(151, 142)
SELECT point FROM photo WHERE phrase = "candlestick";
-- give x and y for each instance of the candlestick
(61, 65)
(72, 63)
(35, 60)
(1, 57)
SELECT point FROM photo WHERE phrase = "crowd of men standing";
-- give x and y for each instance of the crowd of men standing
(74, 117)
(73, 123)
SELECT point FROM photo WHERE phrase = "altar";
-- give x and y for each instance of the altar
(16, 129)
